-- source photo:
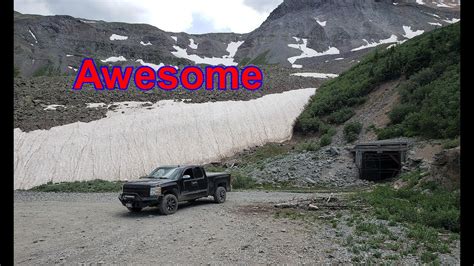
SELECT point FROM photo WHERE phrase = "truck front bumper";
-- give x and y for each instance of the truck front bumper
(133, 200)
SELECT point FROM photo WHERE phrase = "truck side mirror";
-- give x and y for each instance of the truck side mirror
(186, 176)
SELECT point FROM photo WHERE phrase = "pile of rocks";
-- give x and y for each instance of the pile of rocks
(328, 167)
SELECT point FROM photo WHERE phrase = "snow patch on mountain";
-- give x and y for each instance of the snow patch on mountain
(451, 21)
(34, 37)
(52, 107)
(88, 21)
(145, 44)
(227, 60)
(307, 52)
(232, 48)
(409, 33)
(116, 37)
(114, 59)
(315, 75)
(127, 145)
(154, 66)
(321, 23)
(192, 44)
(393, 38)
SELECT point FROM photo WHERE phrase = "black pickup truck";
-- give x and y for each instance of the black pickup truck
(168, 185)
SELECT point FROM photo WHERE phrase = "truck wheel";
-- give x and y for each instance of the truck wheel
(169, 204)
(219, 195)
(134, 209)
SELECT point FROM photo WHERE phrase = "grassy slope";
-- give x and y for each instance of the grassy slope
(429, 97)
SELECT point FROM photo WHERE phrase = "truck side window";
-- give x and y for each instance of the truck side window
(198, 172)
(189, 172)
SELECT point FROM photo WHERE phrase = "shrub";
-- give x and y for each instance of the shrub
(309, 145)
(351, 131)
(240, 181)
(325, 140)
(340, 116)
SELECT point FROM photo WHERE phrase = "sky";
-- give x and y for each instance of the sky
(191, 16)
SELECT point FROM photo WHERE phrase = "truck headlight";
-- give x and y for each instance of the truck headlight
(155, 191)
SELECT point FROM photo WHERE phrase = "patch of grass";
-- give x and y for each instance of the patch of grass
(309, 145)
(428, 257)
(80, 186)
(451, 143)
(266, 151)
(260, 59)
(242, 181)
(411, 178)
(365, 227)
(430, 218)
(439, 209)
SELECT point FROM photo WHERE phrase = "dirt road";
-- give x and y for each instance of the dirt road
(96, 229)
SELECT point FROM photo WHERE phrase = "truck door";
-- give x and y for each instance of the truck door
(190, 186)
(201, 179)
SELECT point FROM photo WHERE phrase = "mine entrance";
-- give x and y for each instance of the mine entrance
(380, 159)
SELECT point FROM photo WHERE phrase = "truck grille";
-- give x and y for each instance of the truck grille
(141, 191)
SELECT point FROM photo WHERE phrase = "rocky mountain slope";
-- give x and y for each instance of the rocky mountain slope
(307, 33)
(318, 34)
(51, 45)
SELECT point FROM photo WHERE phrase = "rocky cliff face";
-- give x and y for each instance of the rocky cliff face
(319, 34)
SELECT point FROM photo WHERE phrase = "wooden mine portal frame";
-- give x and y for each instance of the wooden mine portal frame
(380, 159)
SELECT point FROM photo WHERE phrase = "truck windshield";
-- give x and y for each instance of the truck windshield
(165, 172)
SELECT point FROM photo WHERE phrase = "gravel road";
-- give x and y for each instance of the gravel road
(52, 228)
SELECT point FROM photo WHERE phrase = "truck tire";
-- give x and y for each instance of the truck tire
(220, 195)
(134, 209)
(169, 204)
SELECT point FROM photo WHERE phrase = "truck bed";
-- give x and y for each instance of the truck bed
(216, 174)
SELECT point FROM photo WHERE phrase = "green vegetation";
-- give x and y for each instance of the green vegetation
(260, 59)
(426, 210)
(309, 145)
(436, 208)
(430, 65)
(241, 181)
(451, 143)
(268, 150)
(420, 219)
(80, 186)
(47, 70)
(351, 131)
(340, 116)
(325, 140)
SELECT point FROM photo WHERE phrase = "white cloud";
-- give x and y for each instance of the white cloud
(176, 16)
